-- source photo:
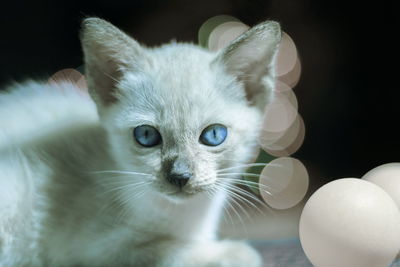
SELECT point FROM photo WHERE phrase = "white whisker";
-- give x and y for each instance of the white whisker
(242, 198)
(119, 200)
(272, 182)
(245, 182)
(243, 166)
(231, 198)
(121, 172)
(251, 196)
(129, 186)
(240, 174)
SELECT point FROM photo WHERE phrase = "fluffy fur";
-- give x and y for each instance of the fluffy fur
(76, 189)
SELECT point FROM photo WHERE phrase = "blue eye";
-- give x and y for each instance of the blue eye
(147, 135)
(214, 135)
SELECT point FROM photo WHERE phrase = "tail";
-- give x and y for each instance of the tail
(32, 109)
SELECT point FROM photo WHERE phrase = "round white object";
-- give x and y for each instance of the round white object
(350, 223)
(387, 177)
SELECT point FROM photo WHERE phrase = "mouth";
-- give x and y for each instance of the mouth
(184, 192)
(174, 191)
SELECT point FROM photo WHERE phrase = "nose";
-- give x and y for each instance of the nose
(179, 179)
(178, 172)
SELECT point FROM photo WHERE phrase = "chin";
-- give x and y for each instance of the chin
(180, 195)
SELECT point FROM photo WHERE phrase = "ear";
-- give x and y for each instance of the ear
(108, 53)
(250, 58)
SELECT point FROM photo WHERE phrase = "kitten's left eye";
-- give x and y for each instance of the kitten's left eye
(214, 135)
(147, 135)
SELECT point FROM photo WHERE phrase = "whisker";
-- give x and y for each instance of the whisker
(232, 208)
(111, 77)
(124, 200)
(242, 198)
(121, 172)
(247, 183)
(211, 194)
(271, 181)
(244, 165)
(127, 187)
(252, 197)
(222, 186)
(241, 174)
(119, 200)
(231, 198)
(249, 194)
(121, 179)
(259, 189)
(257, 164)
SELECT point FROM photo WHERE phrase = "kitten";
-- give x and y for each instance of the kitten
(132, 178)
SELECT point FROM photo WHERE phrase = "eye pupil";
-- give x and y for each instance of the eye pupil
(213, 135)
(147, 135)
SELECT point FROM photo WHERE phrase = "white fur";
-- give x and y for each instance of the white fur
(65, 197)
(33, 109)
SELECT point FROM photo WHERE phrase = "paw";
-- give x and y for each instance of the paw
(237, 254)
(223, 254)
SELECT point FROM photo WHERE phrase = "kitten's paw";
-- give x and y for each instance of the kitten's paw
(237, 254)
(223, 254)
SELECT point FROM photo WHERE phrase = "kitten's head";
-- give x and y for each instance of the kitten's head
(178, 112)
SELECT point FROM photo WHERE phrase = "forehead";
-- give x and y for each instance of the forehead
(182, 72)
(179, 90)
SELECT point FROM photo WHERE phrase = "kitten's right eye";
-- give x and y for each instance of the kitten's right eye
(147, 135)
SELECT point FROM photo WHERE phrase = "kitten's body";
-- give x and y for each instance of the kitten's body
(66, 197)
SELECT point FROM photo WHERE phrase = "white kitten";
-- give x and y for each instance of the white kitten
(132, 179)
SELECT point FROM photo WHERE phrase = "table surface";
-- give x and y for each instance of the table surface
(287, 253)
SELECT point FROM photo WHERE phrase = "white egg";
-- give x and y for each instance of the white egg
(387, 177)
(350, 222)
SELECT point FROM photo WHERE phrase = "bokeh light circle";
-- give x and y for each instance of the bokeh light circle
(282, 90)
(65, 75)
(290, 141)
(286, 57)
(225, 33)
(279, 116)
(209, 25)
(69, 75)
(286, 180)
(293, 77)
(255, 155)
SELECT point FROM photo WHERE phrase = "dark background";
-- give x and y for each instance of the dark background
(349, 89)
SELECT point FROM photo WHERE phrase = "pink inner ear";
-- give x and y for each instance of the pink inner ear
(70, 76)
